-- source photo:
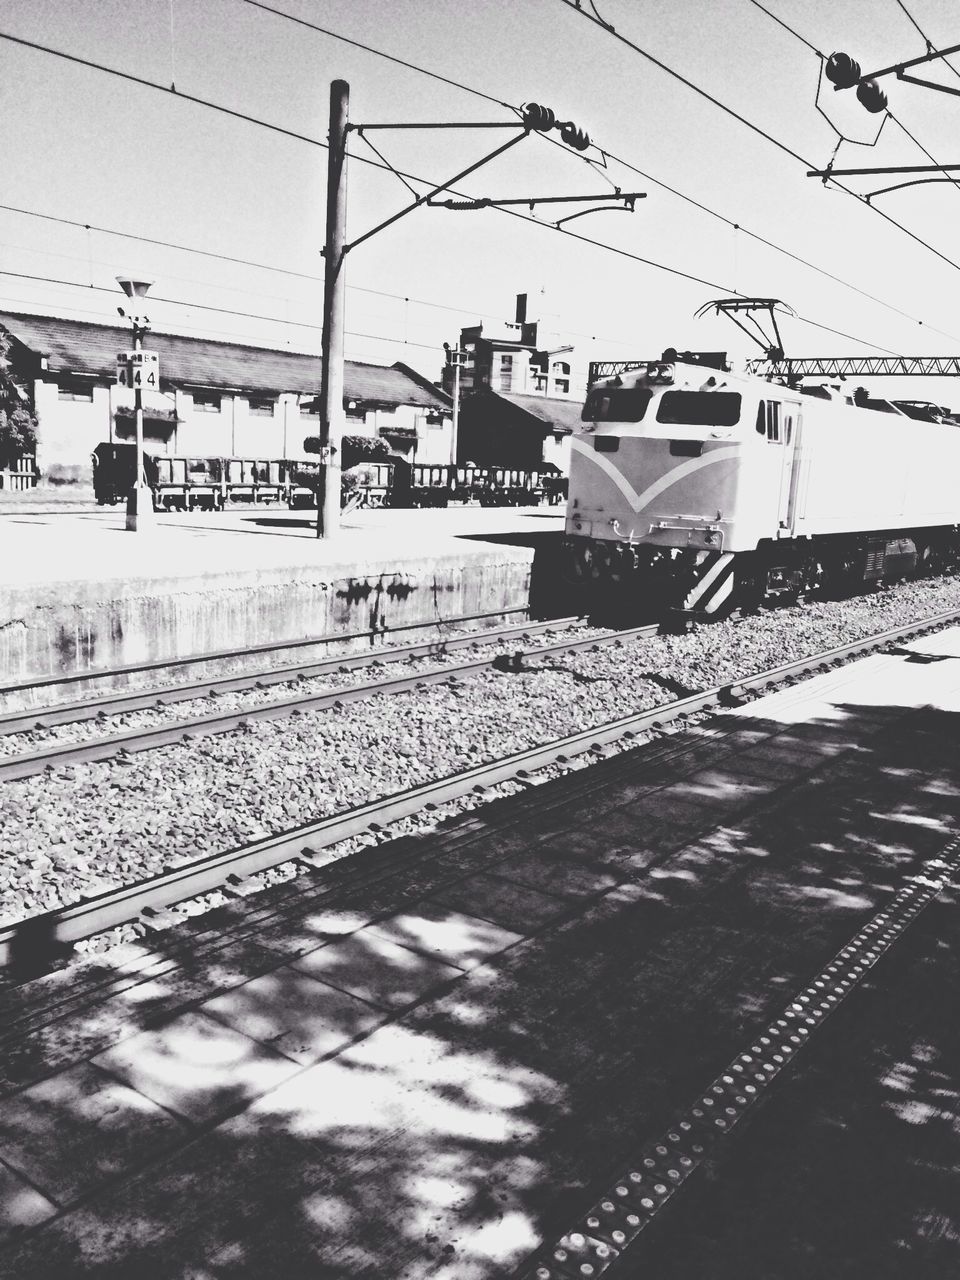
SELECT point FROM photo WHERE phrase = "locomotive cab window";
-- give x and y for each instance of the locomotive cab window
(617, 404)
(700, 408)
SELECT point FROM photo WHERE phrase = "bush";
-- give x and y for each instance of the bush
(354, 449)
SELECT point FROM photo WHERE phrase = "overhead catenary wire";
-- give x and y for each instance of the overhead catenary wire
(163, 88)
(915, 140)
(786, 26)
(925, 38)
(358, 44)
(733, 224)
(508, 212)
(8, 302)
(461, 309)
(202, 306)
(755, 128)
(919, 144)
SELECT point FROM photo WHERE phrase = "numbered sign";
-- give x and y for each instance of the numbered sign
(139, 369)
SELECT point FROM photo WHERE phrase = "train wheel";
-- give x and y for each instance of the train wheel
(579, 563)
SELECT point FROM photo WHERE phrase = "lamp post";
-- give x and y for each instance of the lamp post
(455, 359)
(140, 513)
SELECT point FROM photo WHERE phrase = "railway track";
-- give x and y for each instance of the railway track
(104, 747)
(67, 925)
(35, 716)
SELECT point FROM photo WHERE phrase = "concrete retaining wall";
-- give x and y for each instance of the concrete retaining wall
(88, 626)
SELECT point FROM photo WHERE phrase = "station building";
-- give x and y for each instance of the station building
(521, 393)
(215, 399)
(529, 432)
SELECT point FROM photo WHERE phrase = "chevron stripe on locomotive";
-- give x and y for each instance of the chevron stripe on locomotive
(698, 490)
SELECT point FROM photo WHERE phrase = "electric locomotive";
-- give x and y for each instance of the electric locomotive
(696, 489)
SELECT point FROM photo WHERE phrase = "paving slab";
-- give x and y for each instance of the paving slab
(383, 973)
(196, 1067)
(436, 930)
(503, 901)
(79, 1129)
(293, 1013)
(21, 1205)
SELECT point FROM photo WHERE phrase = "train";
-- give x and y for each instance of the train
(695, 490)
(214, 483)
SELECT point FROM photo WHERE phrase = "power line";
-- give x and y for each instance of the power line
(781, 146)
(780, 23)
(467, 311)
(199, 306)
(660, 266)
(585, 239)
(618, 159)
(253, 120)
(302, 324)
(916, 141)
(152, 84)
(924, 37)
(357, 44)
(770, 244)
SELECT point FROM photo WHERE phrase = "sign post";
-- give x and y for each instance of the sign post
(138, 369)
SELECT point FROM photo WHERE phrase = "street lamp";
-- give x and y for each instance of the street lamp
(140, 513)
(455, 357)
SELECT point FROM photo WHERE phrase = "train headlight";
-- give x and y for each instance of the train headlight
(658, 371)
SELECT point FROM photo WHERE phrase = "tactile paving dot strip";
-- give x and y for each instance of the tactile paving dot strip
(610, 1226)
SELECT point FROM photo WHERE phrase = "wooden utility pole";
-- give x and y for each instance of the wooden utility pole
(331, 347)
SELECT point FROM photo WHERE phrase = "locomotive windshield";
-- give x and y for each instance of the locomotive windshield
(616, 404)
(700, 408)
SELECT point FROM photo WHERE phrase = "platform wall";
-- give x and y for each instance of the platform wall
(63, 629)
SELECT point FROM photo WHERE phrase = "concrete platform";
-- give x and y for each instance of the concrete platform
(80, 593)
(421, 1062)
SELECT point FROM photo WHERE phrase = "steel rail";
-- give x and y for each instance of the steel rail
(224, 655)
(84, 919)
(163, 695)
(29, 763)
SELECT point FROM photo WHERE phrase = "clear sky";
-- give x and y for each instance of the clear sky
(85, 146)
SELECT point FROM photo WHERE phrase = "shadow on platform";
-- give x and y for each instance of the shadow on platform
(432, 1121)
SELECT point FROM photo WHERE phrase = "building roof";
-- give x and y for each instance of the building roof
(77, 347)
(560, 415)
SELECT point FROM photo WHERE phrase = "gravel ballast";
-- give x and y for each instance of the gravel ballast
(79, 830)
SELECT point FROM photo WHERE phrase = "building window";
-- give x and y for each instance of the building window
(310, 409)
(69, 390)
(562, 385)
(261, 406)
(559, 366)
(206, 401)
(355, 411)
(506, 362)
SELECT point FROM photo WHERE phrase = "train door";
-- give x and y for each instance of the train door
(791, 428)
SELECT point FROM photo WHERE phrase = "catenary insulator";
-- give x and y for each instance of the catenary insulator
(842, 70)
(871, 96)
(537, 117)
(579, 139)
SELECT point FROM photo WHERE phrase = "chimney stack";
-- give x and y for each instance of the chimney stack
(521, 308)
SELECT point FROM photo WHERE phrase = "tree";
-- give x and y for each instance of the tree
(354, 449)
(18, 424)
